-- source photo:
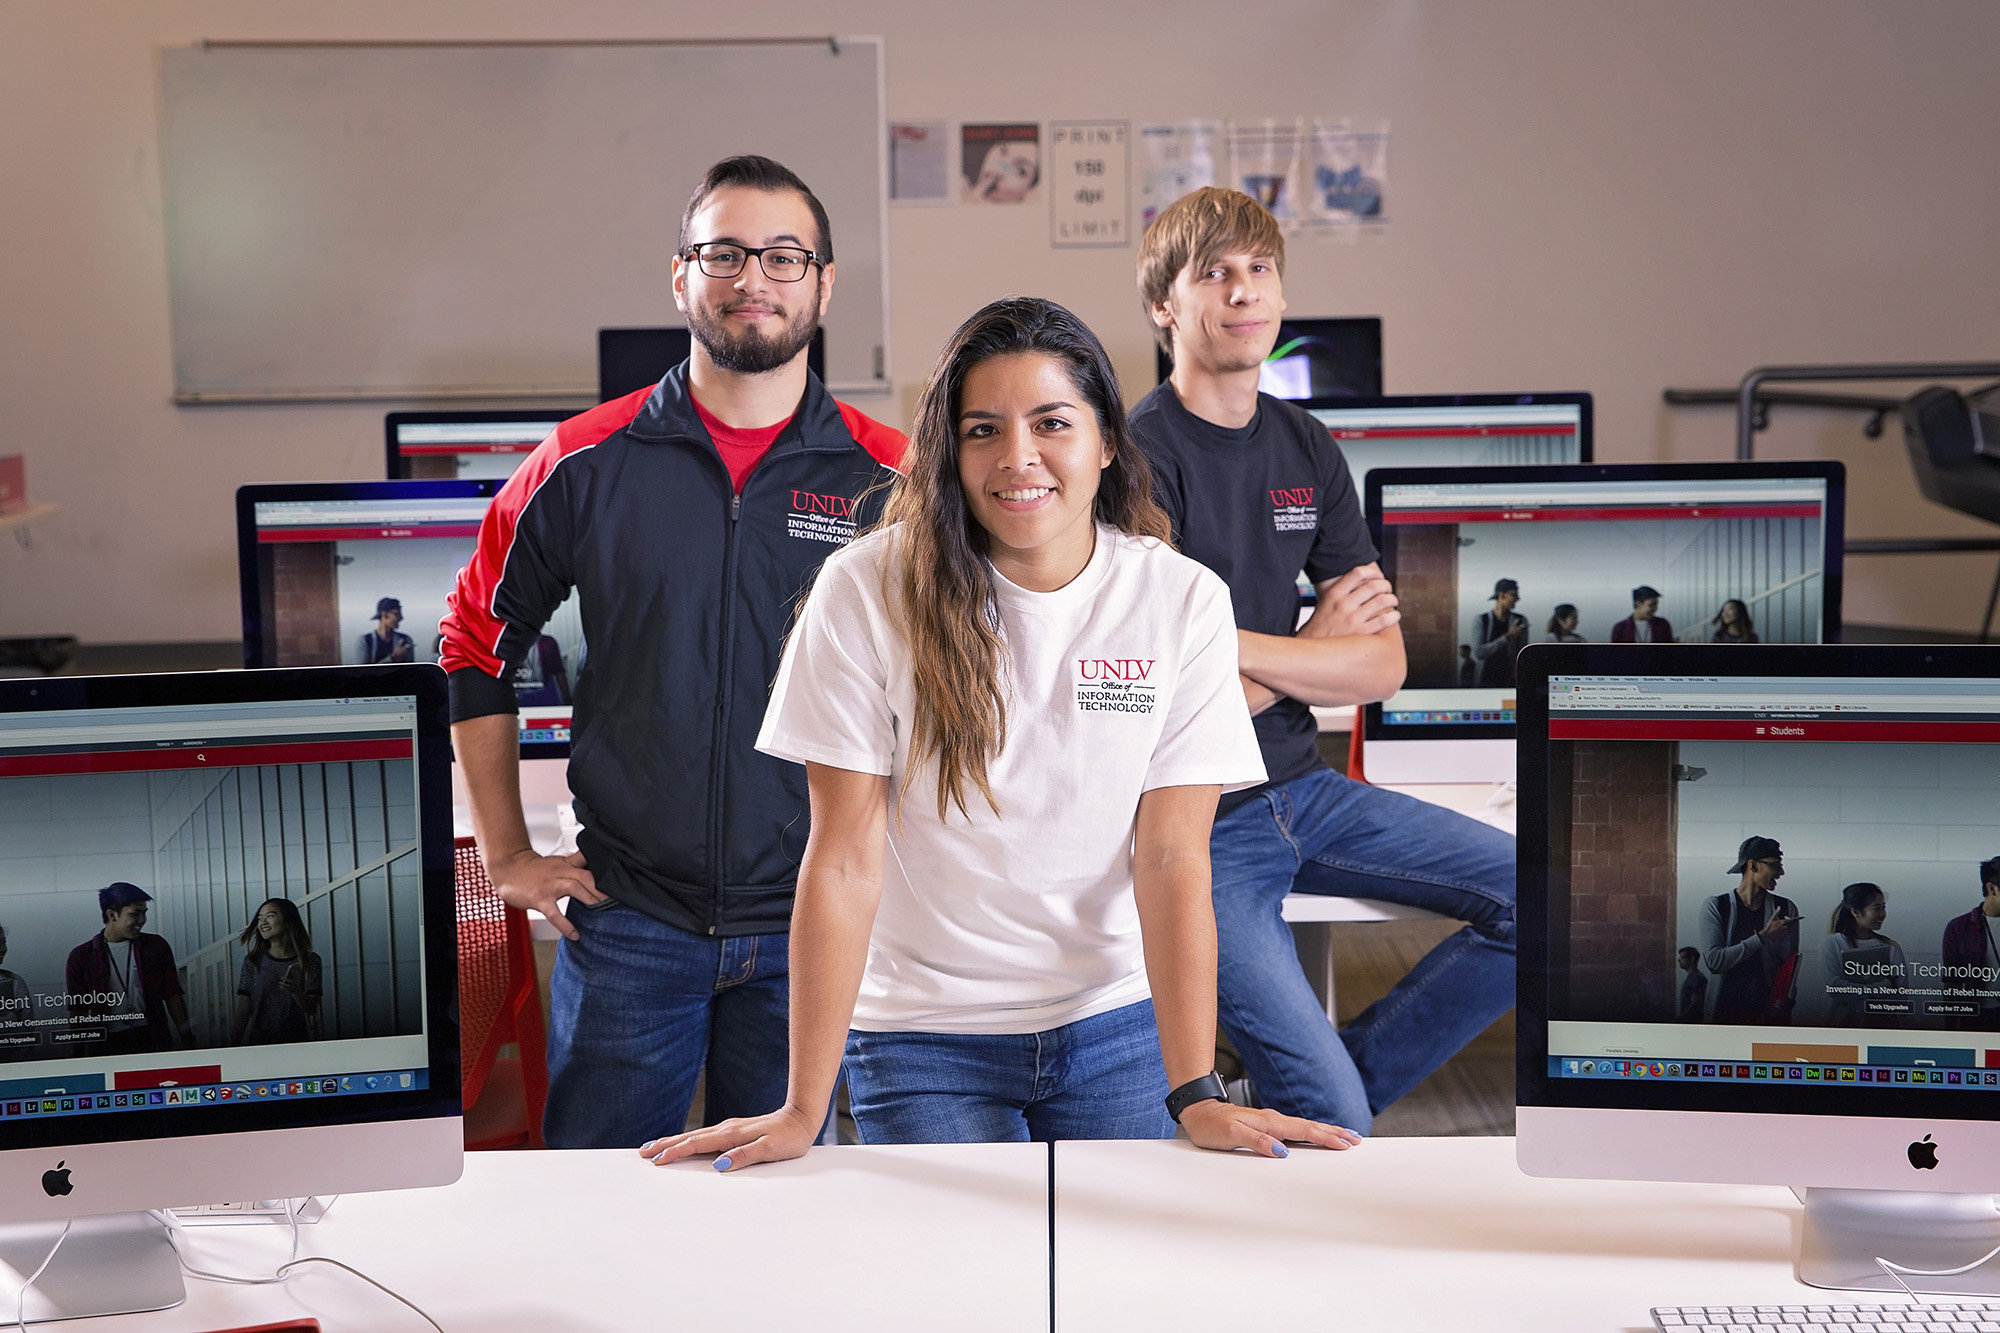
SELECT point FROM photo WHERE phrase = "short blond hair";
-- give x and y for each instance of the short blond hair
(1198, 228)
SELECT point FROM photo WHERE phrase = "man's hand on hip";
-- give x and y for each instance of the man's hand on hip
(531, 881)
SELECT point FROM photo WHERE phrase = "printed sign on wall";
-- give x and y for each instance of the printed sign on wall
(1090, 198)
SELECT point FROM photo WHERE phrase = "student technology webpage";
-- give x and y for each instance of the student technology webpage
(208, 810)
(1583, 547)
(326, 567)
(1657, 784)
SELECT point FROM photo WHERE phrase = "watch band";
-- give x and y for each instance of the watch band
(1207, 1088)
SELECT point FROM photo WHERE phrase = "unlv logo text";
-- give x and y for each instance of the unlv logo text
(805, 502)
(1285, 499)
(1124, 668)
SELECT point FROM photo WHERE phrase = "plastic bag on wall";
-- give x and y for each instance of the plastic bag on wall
(1349, 189)
(1264, 164)
(1175, 160)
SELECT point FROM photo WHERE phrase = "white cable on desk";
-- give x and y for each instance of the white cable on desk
(21, 1306)
(284, 1270)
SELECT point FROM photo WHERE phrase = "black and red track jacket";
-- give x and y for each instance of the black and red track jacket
(686, 591)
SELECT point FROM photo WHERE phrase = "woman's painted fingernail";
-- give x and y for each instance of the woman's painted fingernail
(722, 1163)
(1280, 1150)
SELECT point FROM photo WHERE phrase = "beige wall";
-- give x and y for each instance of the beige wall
(1614, 197)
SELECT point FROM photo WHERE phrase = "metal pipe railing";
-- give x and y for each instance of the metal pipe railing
(1746, 392)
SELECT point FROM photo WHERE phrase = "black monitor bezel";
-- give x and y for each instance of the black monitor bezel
(397, 469)
(1834, 474)
(249, 497)
(1534, 928)
(424, 682)
(1368, 325)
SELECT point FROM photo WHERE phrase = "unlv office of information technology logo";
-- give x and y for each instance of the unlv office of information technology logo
(821, 518)
(1292, 509)
(1116, 685)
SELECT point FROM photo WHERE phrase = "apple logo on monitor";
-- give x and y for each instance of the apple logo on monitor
(1923, 1154)
(55, 1183)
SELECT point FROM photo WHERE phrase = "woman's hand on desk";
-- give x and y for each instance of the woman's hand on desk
(530, 880)
(1223, 1126)
(784, 1133)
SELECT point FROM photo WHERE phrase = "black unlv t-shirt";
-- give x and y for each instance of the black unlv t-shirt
(1258, 505)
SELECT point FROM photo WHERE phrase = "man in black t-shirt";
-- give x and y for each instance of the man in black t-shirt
(1258, 491)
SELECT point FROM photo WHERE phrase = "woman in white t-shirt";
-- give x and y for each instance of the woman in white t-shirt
(1017, 706)
(1855, 938)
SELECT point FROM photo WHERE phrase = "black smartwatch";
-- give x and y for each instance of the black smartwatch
(1207, 1088)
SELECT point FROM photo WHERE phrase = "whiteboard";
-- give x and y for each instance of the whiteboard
(442, 220)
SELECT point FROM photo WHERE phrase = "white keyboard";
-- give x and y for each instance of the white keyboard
(1929, 1317)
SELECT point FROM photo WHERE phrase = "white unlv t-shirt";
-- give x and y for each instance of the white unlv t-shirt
(1119, 683)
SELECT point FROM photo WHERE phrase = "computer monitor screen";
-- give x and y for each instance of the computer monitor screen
(1489, 560)
(353, 573)
(226, 905)
(1754, 941)
(1463, 430)
(632, 359)
(466, 446)
(1315, 358)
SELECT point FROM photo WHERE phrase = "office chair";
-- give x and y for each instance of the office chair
(499, 1005)
(1954, 448)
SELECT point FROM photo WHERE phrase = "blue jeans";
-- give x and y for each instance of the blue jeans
(1321, 833)
(1097, 1078)
(637, 1008)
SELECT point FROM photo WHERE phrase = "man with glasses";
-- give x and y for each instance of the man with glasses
(689, 517)
(1750, 940)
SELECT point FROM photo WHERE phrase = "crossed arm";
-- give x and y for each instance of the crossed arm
(1349, 651)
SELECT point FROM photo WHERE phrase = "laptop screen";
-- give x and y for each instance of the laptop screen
(1487, 561)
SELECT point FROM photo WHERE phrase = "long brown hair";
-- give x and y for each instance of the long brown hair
(944, 604)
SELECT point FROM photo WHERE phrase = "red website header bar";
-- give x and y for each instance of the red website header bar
(1769, 729)
(366, 532)
(1597, 513)
(1446, 432)
(504, 447)
(209, 756)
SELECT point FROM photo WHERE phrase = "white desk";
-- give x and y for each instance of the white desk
(1399, 1234)
(864, 1239)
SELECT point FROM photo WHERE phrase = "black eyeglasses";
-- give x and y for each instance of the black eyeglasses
(781, 263)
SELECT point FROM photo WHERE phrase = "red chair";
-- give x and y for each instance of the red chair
(502, 1050)
(1354, 768)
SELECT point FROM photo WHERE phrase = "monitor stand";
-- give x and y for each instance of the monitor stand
(117, 1263)
(1846, 1229)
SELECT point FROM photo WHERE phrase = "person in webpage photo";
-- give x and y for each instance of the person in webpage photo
(1017, 706)
(385, 643)
(1499, 635)
(1694, 987)
(689, 517)
(13, 988)
(1257, 490)
(1969, 940)
(1562, 625)
(278, 989)
(126, 979)
(1750, 940)
(1855, 936)
(1645, 624)
(1732, 624)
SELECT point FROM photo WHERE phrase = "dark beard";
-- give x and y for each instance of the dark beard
(751, 352)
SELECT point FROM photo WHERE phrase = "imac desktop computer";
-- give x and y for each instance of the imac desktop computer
(1456, 430)
(158, 1047)
(1758, 899)
(466, 445)
(1489, 560)
(352, 573)
(1334, 359)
